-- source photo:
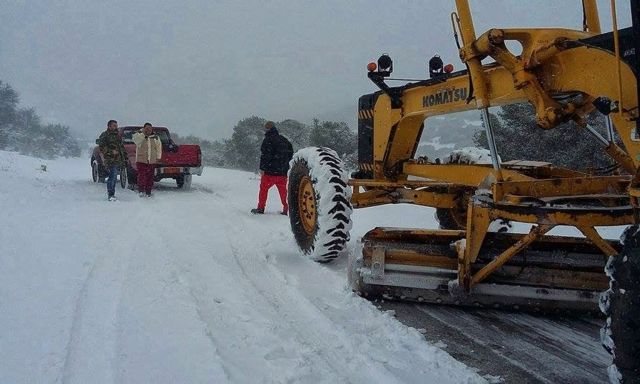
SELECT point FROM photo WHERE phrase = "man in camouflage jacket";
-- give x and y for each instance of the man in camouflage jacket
(114, 155)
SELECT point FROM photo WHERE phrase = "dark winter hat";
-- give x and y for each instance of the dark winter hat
(269, 124)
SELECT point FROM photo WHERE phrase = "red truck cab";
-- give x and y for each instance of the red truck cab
(178, 162)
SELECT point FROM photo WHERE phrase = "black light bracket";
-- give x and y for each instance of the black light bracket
(385, 68)
(605, 105)
(394, 93)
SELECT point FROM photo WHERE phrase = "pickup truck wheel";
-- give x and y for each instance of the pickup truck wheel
(132, 179)
(184, 181)
(97, 173)
(621, 303)
(319, 203)
(123, 177)
(94, 171)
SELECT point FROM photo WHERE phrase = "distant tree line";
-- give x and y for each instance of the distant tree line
(242, 150)
(519, 138)
(22, 130)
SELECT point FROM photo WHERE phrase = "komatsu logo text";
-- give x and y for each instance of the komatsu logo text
(444, 96)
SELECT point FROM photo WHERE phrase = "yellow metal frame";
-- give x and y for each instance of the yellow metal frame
(552, 62)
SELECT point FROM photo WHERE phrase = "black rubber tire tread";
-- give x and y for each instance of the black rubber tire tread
(94, 171)
(124, 177)
(446, 220)
(621, 303)
(323, 244)
(187, 182)
(445, 216)
(132, 177)
(102, 174)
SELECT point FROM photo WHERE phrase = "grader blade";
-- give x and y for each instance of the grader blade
(553, 273)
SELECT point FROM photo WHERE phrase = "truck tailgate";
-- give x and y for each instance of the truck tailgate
(185, 155)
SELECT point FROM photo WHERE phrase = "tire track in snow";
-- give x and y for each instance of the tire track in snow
(91, 329)
(327, 363)
(323, 332)
(309, 343)
(446, 320)
(168, 271)
(518, 346)
(211, 312)
(72, 343)
(184, 279)
(381, 351)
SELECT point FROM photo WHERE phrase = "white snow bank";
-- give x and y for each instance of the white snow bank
(184, 287)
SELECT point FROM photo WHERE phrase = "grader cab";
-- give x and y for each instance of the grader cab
(566, 75)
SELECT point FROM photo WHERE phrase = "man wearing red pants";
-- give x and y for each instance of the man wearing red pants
(148, 154)
(276, 152)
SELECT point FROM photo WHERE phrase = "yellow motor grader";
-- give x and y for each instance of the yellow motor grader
(566, 75)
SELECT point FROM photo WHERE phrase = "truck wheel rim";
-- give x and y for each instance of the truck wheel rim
(307, 204)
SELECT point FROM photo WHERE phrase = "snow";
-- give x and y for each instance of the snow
(614, 374)
(469, 155)
(436, 144)
(184, 287)
(473, 123)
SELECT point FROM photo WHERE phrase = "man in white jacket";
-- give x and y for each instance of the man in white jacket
(148, 154)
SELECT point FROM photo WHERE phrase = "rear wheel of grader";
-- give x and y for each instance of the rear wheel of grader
(456, 217)
(621, 303)
(319, 203)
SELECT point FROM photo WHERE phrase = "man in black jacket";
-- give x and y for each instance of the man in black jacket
(276, 152)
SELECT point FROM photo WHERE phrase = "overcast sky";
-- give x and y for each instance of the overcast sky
(199, 66)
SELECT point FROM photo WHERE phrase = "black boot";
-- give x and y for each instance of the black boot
(257, 211)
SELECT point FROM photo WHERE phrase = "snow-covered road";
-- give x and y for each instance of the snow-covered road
(185, 287)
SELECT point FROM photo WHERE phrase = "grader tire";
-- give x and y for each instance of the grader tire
(621, 303)
(319, 203)
(452, 218)
(456, 217)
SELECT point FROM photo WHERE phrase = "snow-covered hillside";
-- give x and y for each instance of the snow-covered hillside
(186, 287)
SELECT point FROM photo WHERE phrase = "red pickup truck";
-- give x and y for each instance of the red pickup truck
(178, 162)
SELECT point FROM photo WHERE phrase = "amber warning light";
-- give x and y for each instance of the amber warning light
(371, 66)
(448, 68)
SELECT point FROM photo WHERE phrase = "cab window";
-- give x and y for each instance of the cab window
(164, 137)
(127, 136)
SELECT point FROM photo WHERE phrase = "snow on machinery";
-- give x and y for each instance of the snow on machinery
(565, 75)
